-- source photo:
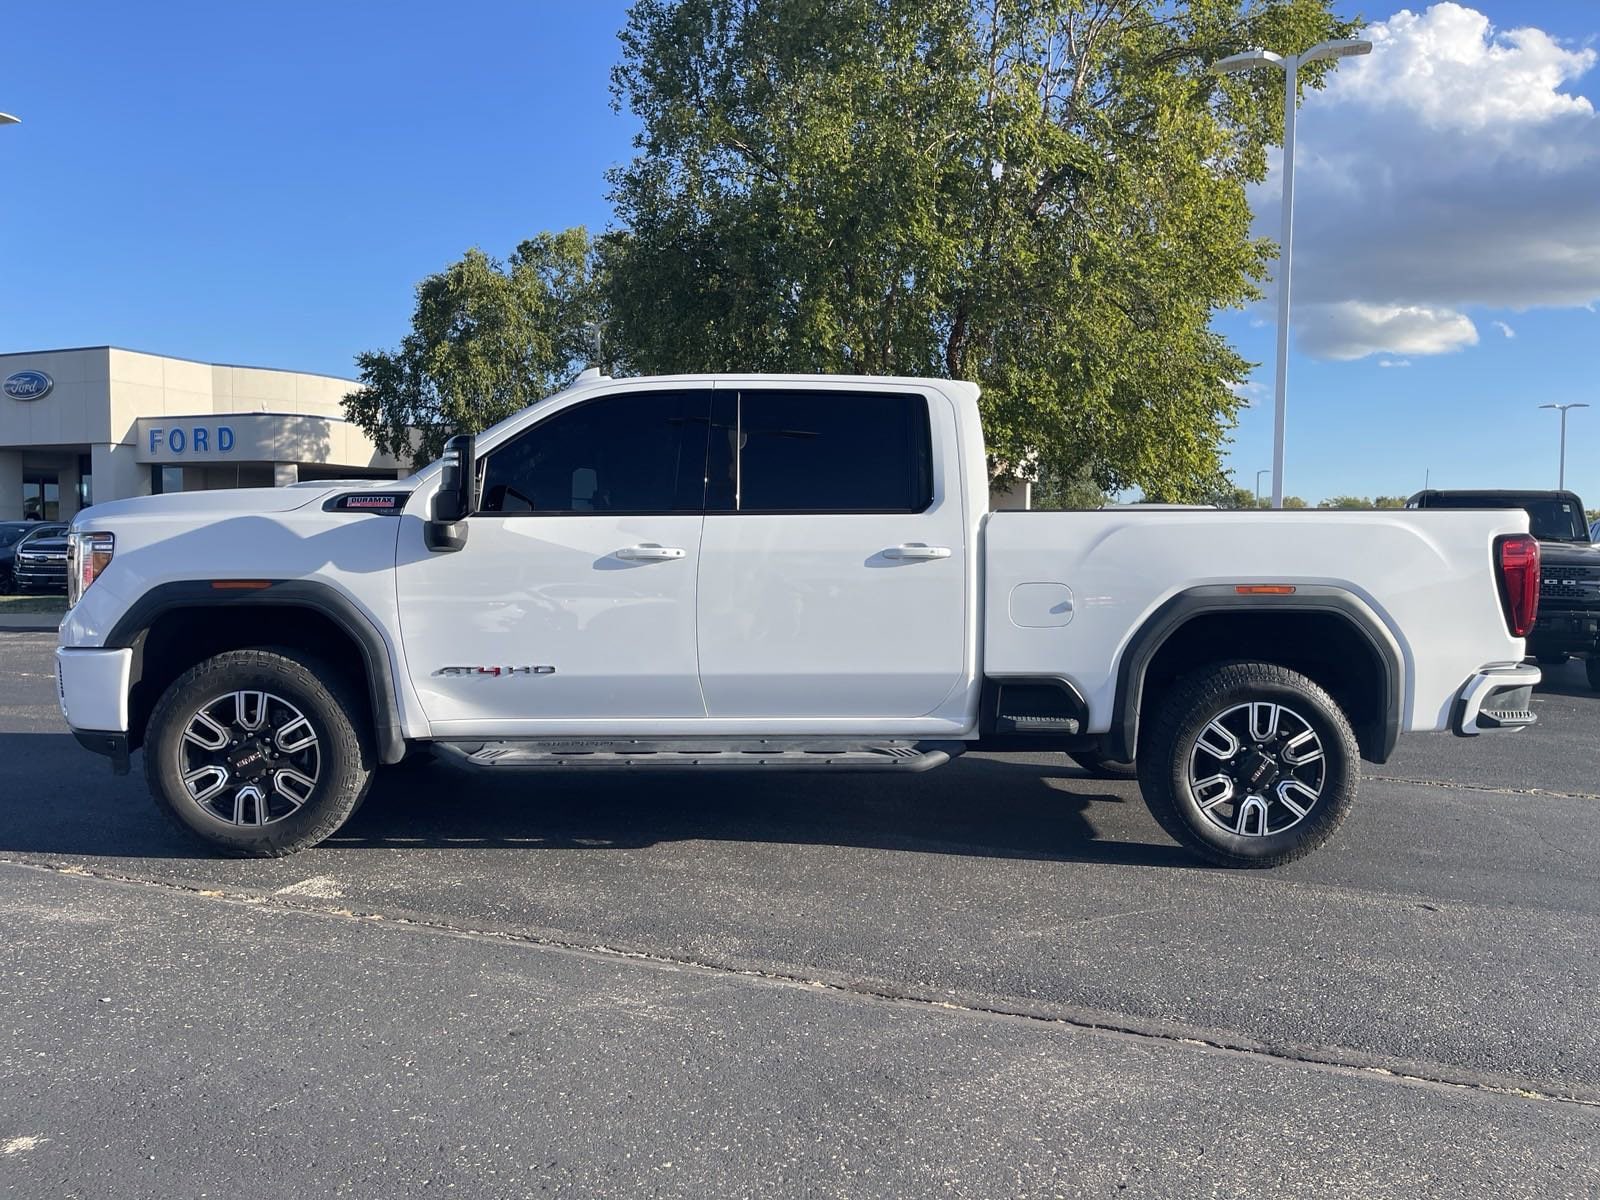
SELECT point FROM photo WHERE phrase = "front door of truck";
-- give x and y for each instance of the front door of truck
(573, 600)
(834, 562)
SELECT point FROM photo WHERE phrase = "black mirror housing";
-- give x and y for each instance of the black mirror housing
(456, 497)
(453, 501)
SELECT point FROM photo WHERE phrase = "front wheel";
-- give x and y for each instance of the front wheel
(1249, 764)
(256, 752)
(1593, 668)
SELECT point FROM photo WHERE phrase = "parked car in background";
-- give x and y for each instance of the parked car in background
(1568, 625)
(39, 563)
(11, 532)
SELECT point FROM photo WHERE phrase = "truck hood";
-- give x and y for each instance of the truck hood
(1569, 554)
(228, 502)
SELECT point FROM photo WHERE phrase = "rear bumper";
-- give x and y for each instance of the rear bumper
(1499, 697)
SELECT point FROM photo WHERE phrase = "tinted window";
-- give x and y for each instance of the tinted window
(834, 452)
(1550, 519)
(638, 453)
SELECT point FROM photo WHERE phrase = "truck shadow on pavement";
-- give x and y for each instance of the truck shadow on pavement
(977, 806)
(54, 799)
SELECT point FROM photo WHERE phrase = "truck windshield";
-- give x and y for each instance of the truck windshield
(1551, 519)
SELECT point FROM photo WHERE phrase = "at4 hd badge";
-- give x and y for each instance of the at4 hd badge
(493, 672)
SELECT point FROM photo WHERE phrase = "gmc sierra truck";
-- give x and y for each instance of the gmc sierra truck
(773, 572)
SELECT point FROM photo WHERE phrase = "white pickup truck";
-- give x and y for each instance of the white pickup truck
(771, 572)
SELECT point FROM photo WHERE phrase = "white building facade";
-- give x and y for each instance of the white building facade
(102, 423)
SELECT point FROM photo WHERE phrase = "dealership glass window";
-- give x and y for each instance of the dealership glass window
(641, 452)
(831, 451)
(165, 479)
(41, 497)
(85, 481)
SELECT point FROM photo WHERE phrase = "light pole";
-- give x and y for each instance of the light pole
(1259, 474)
(1290, 65)
(1563, 409)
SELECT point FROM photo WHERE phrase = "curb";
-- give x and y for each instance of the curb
(30, 622)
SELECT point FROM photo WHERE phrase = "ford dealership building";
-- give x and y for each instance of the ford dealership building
(101, 423)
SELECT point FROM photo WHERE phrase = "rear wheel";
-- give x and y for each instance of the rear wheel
(1249, 764)
(255, 752)
(1101, 767)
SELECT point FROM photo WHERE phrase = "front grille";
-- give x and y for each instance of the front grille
(1570, 583)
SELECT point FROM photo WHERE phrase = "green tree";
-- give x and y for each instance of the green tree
(1235, 497)
(1594, 515)
(487, 338)
(1346, 502)
(1046, 196)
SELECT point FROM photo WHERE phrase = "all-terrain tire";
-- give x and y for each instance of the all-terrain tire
(1168, 742)
(332, 707)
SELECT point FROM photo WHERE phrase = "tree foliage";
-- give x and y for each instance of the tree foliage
(1363, 502)
(1046, 196)
(487, 338)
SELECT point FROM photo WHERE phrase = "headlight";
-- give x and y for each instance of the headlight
(87, 555)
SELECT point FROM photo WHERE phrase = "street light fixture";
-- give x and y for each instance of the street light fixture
(8, 119)
(1289, 64)
(1563, 409)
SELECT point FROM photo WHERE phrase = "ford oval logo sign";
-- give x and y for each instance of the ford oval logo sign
(28, 385)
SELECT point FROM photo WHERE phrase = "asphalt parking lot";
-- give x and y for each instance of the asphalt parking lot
(998, 979)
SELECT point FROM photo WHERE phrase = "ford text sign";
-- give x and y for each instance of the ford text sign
(28, 385)
(196, 439)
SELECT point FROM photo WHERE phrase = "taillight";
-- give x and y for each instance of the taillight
(1518, 555)
(87, 555)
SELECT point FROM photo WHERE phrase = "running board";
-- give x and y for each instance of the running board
(793, 754)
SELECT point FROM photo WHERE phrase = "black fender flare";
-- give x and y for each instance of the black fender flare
(322, 598)
(1179, 610)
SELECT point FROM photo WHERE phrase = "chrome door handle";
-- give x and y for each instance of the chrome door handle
(649, 552)
(916, 552)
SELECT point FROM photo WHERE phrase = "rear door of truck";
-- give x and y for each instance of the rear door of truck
(834, 558)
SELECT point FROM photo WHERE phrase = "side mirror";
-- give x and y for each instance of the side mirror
(454, 500)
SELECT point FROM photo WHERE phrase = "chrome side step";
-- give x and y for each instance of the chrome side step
(794, 754)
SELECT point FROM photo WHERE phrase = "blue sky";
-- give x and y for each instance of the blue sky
(265, 184)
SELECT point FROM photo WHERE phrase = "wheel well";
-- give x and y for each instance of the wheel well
(181, 637)
(1326, 647)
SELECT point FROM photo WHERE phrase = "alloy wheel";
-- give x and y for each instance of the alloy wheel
(249, 758)
(1257, 769)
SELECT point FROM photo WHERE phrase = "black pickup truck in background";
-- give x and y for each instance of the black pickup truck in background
(1569, 597)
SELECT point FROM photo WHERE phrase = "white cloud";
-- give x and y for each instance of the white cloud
(1355, 329)
(1454, 167)
(1394, 362)
(1505, 329)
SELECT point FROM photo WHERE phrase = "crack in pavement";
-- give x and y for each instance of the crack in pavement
(1337, 1059)
(1449, 785)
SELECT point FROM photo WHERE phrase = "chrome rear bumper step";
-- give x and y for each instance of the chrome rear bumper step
(794, 754)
